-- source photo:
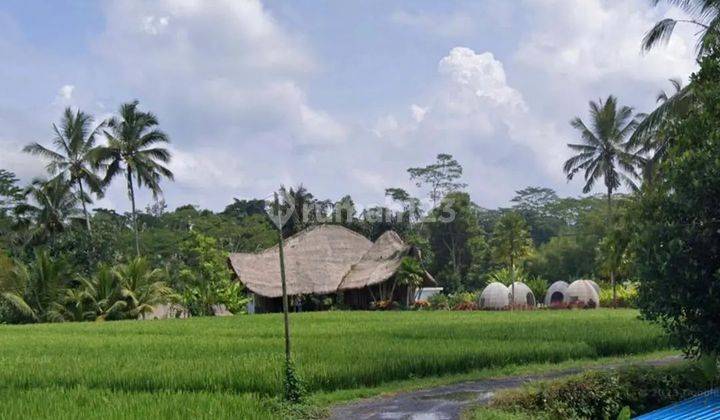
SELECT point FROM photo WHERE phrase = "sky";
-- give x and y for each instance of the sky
(341, 96)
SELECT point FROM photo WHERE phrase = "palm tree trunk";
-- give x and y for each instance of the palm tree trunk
(85, 212)
(612, 269)
(131, 193)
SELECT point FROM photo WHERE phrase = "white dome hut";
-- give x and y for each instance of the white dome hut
(523, 294)
(495, 296)
(556, 293)
(582, 293)
(595, 286)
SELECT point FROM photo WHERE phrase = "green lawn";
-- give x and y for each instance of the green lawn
(231, 367)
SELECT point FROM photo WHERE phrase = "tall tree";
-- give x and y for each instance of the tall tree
(10, 196)
(132, 149)
(675, 225)
(411, 211)
(74, 145)
(652, 138)
(511, 241)
(441, 177)
(10, 193)
(536, 205)
(301, 205)
(451, 232)
(51, 208)
(703, 14)
(603, 153)
(344, 211)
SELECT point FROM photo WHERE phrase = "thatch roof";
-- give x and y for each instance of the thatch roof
(322, 259)
(378, 264)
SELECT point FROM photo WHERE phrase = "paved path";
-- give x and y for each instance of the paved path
(447, 402)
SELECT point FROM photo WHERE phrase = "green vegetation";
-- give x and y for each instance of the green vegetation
(676, 219)
(239, 359)
(603, 394)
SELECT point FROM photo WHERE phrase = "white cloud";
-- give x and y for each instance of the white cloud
(154, 25)
(205, 168)
(475, 114)
(65, 93)
(221, 73)
(22, 164)
(480, 75)
(418, 112)
(450, 25)
(593, 39)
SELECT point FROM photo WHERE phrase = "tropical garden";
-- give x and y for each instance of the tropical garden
(645, 228)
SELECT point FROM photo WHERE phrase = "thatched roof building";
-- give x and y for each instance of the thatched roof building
(325, 259)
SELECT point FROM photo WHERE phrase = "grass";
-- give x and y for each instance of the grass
(227, 366)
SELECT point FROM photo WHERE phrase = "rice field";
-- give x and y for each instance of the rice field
(231, 367)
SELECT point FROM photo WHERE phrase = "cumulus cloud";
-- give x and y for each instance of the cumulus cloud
(234, 87)
(594, 39)
(479, 78)
(223, 73)
(475, 114)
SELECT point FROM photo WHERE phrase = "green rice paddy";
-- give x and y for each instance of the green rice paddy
(232, 367)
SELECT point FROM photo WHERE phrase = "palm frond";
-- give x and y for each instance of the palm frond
(18, 303)
(659, 34)
(673, 107)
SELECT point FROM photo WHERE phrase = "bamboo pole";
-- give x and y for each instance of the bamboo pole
(282, 281)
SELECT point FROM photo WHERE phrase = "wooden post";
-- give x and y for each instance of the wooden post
(282, 281)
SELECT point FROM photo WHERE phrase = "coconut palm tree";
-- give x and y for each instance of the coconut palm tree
(37, 287)
(703, 14)
(74, 143)
(511, 241)
(104, 290)
(94, 299)
(603, 152)
(142, 287)
(131, 150)
(410, 274)
(652, 136)
(52, 208)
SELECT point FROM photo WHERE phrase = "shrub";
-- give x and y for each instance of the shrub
(421, 304)
(466, 306)
(385, 305)
(461, 299)
(538, 286)
(439, 301)
(626, 296)
(603, 395)
(505, 275)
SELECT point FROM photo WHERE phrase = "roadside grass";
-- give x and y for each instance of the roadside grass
(154, 367)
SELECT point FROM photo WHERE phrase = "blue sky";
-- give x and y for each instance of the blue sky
(342, 96)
